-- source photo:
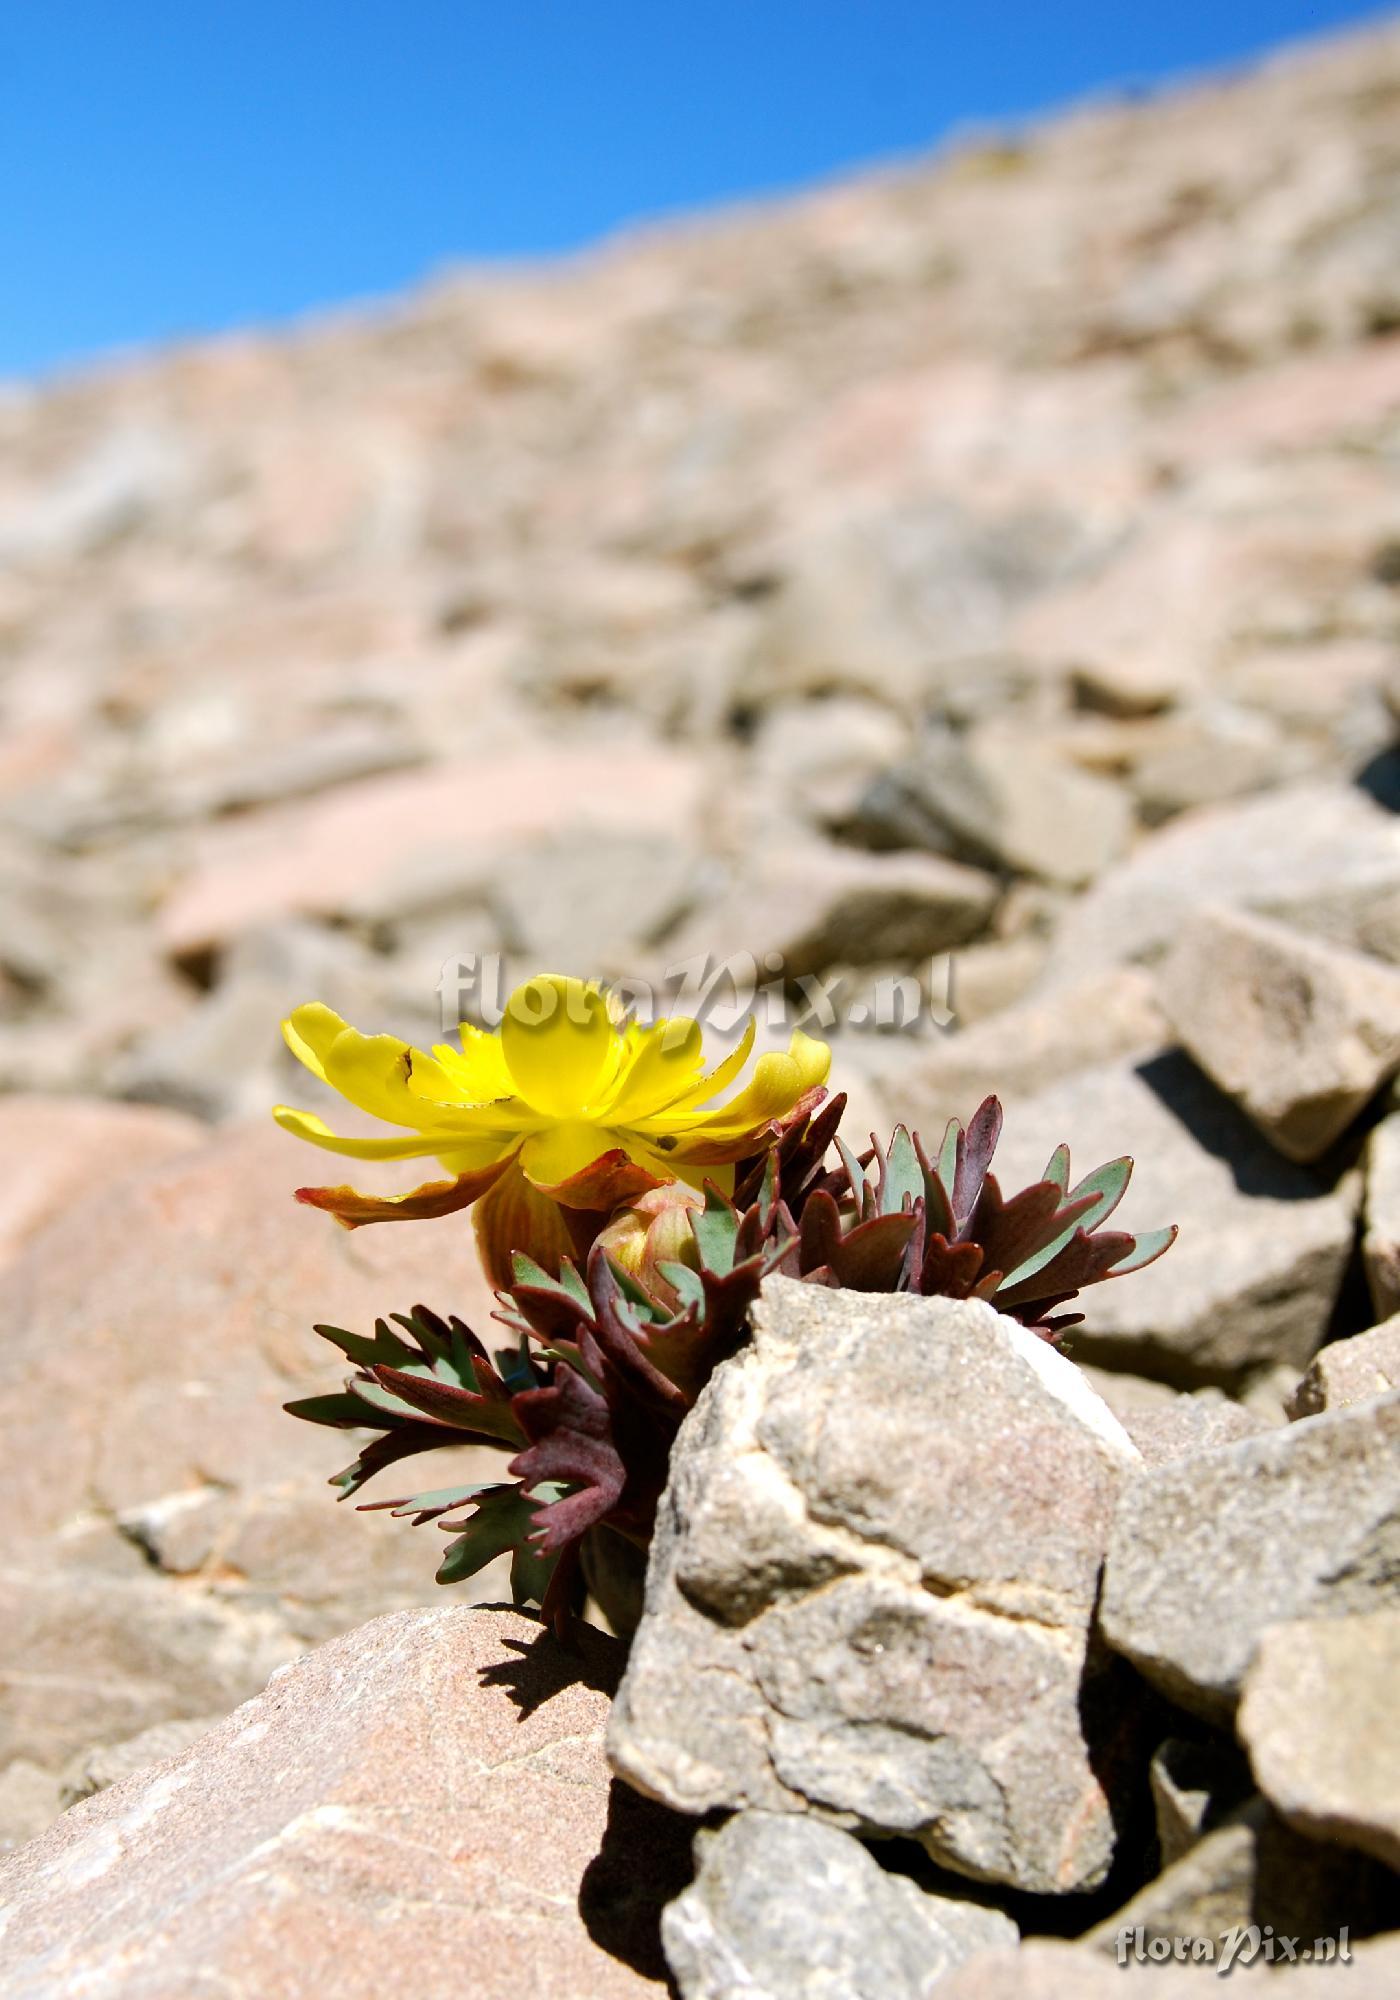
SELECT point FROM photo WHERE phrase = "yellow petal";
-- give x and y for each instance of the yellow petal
(558, 1042)
(304, 1125)
(373, 1072)
(309, 1031)
(721, 1075)
(778, 1082)
(663, 1062)
(561, 1151)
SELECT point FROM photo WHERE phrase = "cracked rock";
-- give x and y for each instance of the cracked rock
(1209, 1550)
(786, 1908)
(871, 1590)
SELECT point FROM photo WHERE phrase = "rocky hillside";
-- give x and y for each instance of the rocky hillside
(998, 556)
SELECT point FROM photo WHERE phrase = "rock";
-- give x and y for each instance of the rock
(434, 1781)
(1184, 1424)
(1209, 1550)
(786, 1908)
(997, 799)
(1025, 1049)
(356, 848)
(876, 1620)
(1322, 857)
(1042, 1970)
(1252, 1278)
(1350, 1371)
(1252, 1870)
(1195, 1785)
(806, 908)
(1317, 1716)
(586, 906)
(55, 1150)
(1212, 757)
(1380, 1243)
(92, 1771)
(29, 1799)
(819, 757)
(1299, 1033)
(158, 1406)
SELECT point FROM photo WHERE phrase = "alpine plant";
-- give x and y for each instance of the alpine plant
(609, 1347)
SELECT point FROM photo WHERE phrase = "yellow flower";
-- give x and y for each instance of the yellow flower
(562, 1111)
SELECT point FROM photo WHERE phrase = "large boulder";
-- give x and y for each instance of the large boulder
(1300, 1033)
(1208, 1551)
(421, 1803)
(784, 1907)
(1350, 1371)
(871, 1591)
(1253, 1276)
(55, 1151)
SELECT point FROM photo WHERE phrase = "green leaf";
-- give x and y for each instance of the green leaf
(715, 1228)
(688, 1285)
(342, 1411)
(503, 1519)
(904, 1177)
(1058, 1169)
(1146, 1249)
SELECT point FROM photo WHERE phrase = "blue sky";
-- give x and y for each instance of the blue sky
(172, 167)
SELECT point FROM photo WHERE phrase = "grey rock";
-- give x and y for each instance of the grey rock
(29, 1799)
(1251, 1870)
(1350, 1371)
(997, 799)
(1318, 1717)
(1207, 1551)
(1252, 1278)
(1184, 1424)
(1194, 1785)
(1380, 1243)
(818, 906)
(583, 906)
(1301, 1034)
(876, 1617)
(786, 1908)
(1028, 1048)
(1320, 856)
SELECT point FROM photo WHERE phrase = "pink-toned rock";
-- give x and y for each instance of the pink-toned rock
(152, 1334)
(55, 1150)
(347, 850)
(422, 1807)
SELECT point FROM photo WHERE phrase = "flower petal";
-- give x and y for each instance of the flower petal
(607, 1181)
(664, 1063)
(305, 1125)
(558, 1040)
(352, 1209)
(778, 1082)
(309, 1031)
(514, 1217)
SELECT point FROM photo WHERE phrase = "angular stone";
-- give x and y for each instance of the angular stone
(1207, 1551)
(1184, 1424)
(1380, 1243)
(1251, 1870)
(1318, 1718)
(425, 1794)
(1301, 1034)
(584, 906)
(871, 1589)
(1252, 1278)
(1323, 857)
(1350, 1371)
(996, 798)
(55, 1150)
(784, 1907)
